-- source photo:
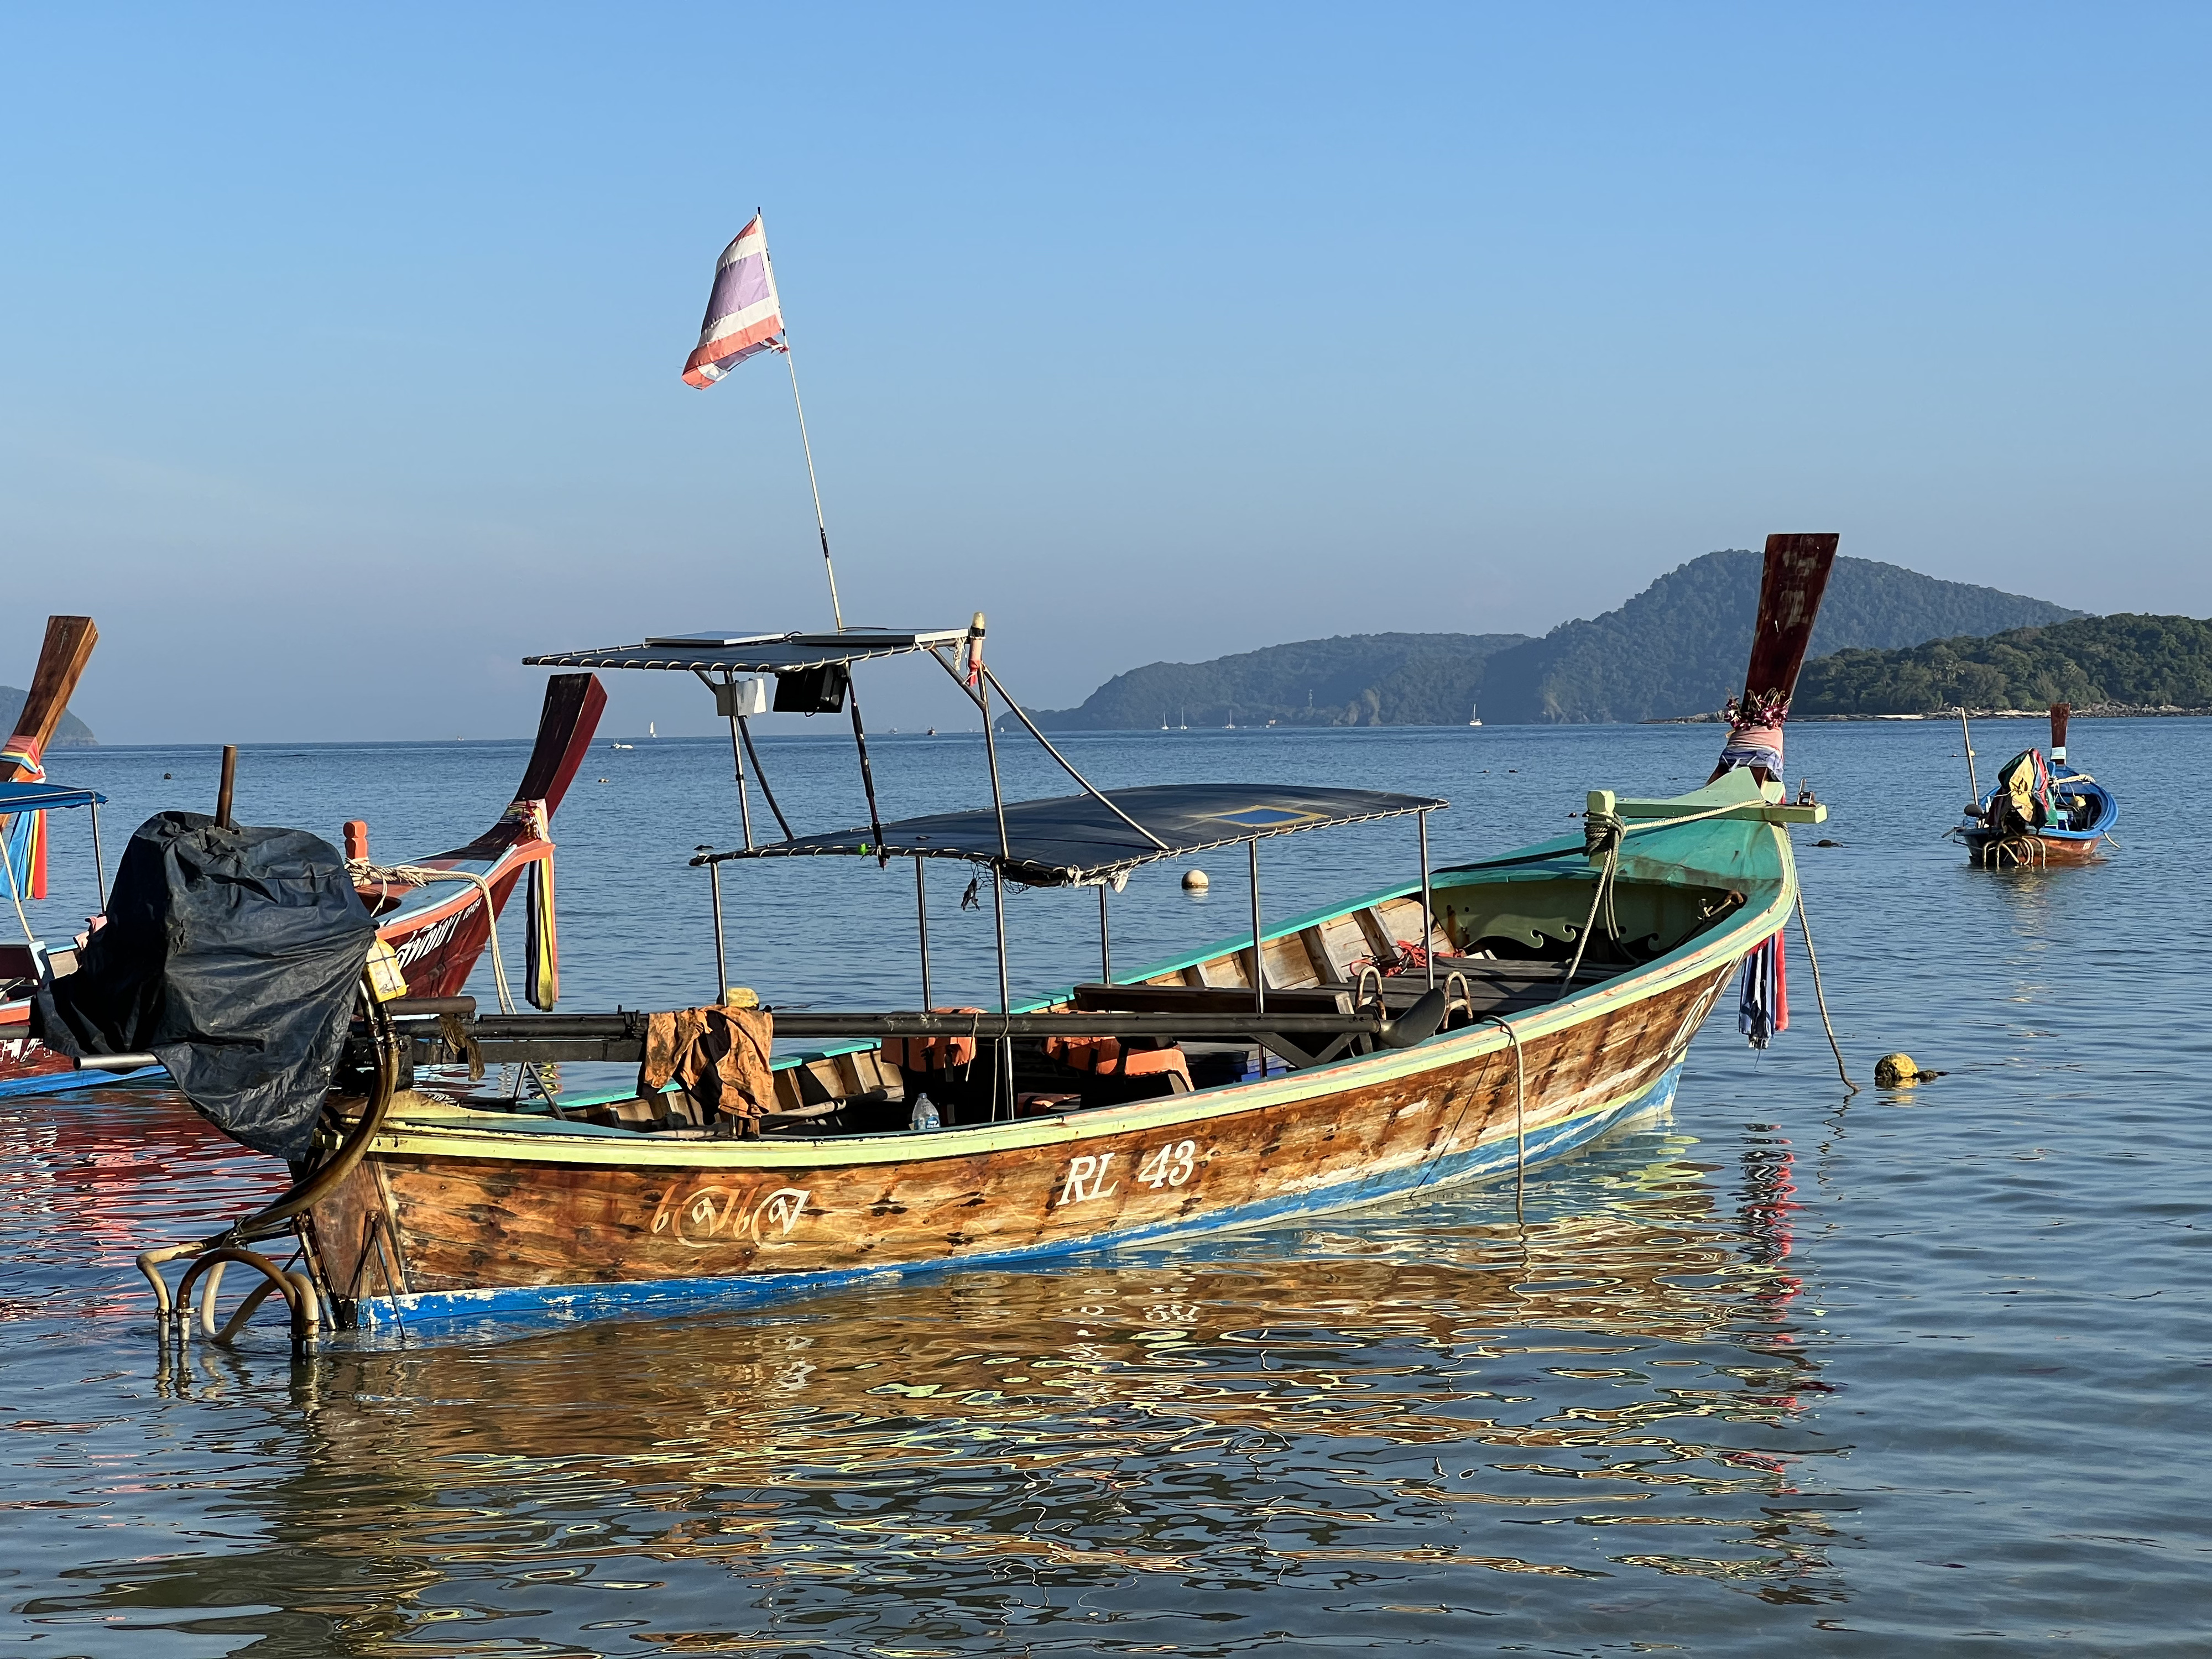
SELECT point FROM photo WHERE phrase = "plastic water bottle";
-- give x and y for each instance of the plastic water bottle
(925, 1114)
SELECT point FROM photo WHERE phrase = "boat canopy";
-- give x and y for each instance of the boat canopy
(1073, 841)
(44, 797)
(710, 651)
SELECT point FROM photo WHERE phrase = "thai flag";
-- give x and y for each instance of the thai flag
(744, 316)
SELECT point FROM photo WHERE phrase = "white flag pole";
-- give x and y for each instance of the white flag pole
(821, 527)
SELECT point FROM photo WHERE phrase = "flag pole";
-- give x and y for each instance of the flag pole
(821, 528)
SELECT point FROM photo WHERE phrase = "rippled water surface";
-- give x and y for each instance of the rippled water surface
(1789, 1371)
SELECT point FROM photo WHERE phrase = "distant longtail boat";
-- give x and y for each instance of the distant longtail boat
(2042, 811)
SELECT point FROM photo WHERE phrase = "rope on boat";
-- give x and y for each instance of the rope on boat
(1820, 995)
(1602, 835)
(421, 875)
(1520, 1116)
(16, 893)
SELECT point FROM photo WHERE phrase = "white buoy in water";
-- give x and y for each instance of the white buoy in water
(1196, 881)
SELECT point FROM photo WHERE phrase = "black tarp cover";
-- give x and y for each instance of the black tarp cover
(1074, 839)
(233, 956)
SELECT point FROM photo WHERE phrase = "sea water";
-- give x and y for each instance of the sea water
(1790, 1369)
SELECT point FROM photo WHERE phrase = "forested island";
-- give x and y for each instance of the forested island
(1678, 648)
(2125, 663)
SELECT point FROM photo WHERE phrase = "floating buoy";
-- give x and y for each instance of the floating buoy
(1898, 1071)
(1196, 881)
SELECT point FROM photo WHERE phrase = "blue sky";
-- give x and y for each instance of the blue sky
(341, 353)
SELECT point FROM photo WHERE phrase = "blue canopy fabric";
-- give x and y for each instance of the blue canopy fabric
(44, 797)
(1077, 840)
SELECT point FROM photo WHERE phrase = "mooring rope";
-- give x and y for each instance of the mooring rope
(1820, 995)
(420, 875)
(1520, 1114)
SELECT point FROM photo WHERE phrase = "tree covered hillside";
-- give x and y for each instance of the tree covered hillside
(2142, 661)
(1679, 646)
(1357, 679)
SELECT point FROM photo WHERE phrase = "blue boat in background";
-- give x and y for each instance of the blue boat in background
(2042, 811)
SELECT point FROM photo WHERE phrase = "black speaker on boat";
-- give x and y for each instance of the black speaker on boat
(812, 690)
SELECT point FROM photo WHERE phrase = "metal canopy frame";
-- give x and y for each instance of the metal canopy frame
(755, 653)
(17, 798)
(714, 657)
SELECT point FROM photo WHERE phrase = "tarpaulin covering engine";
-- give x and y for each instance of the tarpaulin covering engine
(233, 955)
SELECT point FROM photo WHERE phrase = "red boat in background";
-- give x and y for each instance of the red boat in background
(438, 913)
(433, 910)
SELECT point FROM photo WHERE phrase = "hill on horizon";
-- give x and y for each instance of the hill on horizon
(1353, 679)
(2133, 660)
(71, 733)
(1678, 647)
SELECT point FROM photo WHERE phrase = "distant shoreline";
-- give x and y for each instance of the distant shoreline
(2095, 711)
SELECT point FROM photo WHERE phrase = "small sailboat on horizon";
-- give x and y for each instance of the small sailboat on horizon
(1475, 713)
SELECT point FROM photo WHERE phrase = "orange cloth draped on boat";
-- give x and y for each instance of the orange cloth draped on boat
(719, 1056)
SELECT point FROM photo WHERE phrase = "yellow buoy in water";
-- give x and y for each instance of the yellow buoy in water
(1895, 1072)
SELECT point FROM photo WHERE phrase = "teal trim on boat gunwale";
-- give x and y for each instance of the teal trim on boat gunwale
(1758, 855)
(652, 1296)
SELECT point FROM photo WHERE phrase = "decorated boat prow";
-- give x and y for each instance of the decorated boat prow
(439, 913)
(2043, 811)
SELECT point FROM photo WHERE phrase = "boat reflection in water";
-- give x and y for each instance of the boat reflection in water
(1416, 1400)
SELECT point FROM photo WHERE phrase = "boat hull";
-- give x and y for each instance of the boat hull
(444, 1222)
(2033, 852)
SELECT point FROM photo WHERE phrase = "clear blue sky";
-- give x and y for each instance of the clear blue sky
(341, 357)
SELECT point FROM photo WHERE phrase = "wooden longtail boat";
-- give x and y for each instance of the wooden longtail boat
(63, 655)
(1472, 1023)
(2042, 811)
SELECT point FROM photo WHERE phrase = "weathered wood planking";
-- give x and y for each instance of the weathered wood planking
(629, 1210)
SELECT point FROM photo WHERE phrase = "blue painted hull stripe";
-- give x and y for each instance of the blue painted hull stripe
(637, 1296)
(62, 1083)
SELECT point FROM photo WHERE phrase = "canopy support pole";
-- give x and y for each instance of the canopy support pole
(98, 858)
(1003, 1063)
(921, 922)
(1089, 787)
(982, 695)
(722, 962)
(737, 758)
(1428, 911)
(867, 776)
(1105, 941)
(760, 777)
(1259, 954)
